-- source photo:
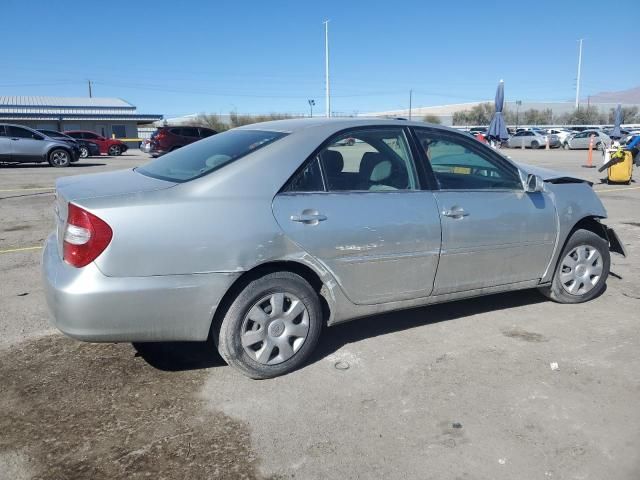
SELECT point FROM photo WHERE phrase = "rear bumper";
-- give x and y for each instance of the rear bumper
(87, 305)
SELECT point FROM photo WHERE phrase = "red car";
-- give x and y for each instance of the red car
(166, 139)
(110, 146)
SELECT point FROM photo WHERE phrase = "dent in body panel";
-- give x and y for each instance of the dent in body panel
(378, 246)
(573, 201)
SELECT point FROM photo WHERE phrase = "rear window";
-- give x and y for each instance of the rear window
(205, 156)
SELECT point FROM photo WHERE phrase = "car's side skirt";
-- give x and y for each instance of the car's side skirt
(343, 310)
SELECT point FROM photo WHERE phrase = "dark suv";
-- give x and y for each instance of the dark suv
(166, 139)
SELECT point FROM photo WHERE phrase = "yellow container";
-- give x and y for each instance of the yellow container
(621, 172)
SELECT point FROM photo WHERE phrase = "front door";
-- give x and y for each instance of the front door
(26, 146)
(493, 232)
(358, 209)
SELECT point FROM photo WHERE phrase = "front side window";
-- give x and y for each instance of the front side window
(200, 158)
(369, 160)
(18, 132)
(459, 165)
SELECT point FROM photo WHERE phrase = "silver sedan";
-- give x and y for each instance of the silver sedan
(599, 140)
(533, 139)
(261, 236)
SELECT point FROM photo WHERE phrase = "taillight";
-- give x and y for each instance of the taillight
(85, 237)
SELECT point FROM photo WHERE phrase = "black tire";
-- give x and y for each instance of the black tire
(535, 145)
(84, 151)
(566, 146)
(599, 146)
(556, 291)
(228, 336)
(114, 150)
(59, 157)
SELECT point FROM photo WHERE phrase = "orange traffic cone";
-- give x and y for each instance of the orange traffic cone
(590, 155)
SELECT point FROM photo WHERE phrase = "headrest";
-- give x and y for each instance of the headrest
(333, 162)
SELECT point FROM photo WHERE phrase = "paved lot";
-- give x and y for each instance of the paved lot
(455, 391)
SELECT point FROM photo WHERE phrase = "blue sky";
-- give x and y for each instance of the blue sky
(179, 57)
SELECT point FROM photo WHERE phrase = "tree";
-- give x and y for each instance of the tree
(239, 120)
(629, 115)
(583, 116)
(537, 117)
(478, 115)
(429, 118)
(209, 121)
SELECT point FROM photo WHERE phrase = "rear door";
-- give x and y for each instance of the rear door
(493, 232)
(358, 208)
(26, 146)
(5, 146)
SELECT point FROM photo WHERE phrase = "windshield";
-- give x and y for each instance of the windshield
(205, 156)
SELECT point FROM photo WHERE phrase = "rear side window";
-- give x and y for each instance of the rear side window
(201, 158)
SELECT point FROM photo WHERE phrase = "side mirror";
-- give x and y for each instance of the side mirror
(534, 184)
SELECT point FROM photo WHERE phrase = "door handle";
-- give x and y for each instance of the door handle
(309, 218)
(455, 212)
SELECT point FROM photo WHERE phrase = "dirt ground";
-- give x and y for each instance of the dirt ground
(454, 391)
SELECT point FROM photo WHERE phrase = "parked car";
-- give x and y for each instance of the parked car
(168, 139)
(581, 140)
(532, 139)
(20, 144)
(262, 235)
(108, 146)
(85, 147)
(562, 133)
(145, 145)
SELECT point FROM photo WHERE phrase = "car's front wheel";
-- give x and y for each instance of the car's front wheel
(115, 150)
(271, 327)
(582, 269)
(59, 158)
(534, 145)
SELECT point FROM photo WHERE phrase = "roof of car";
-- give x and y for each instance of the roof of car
(297, 124)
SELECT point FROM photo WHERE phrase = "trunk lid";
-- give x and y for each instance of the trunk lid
(76, 188)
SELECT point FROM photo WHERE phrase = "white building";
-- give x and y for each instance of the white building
(105, 116)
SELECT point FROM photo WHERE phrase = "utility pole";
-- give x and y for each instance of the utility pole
(410, 101)
(579, 70)
(311, 104)
(90, 94)
(326, 69)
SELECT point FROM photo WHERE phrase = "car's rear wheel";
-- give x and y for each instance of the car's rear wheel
(582, 269)
(115, 150)
(271, 327)
(534, 144)
(599, 146)
(59, 158)
(566, 146)
(84, 151)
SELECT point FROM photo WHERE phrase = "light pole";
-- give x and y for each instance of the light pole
(326, 69)
(311, 104)
(578, 79)
(518, 103)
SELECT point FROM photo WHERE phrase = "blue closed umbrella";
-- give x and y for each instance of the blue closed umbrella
(497, 128)
(616, 133)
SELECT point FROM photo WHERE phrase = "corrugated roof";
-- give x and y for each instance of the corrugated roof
(71, 102)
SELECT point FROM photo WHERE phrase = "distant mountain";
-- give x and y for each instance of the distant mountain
(631, 95)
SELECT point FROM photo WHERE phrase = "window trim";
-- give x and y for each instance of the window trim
(331, 140)
(480, 149)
